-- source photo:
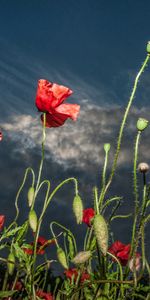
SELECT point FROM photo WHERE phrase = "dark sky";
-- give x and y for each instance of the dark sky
(95, 48)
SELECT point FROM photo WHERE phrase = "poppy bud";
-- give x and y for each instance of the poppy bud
(30, 196)
(33, 220)
(143, 167)
(148, 47)
(81, 257)
(101, 233)
(141, 124)
(11, 263)
(107, 147)
(62, 257)
(78, 209)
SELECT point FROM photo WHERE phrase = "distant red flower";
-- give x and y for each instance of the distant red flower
(44, 295)
(18, 286)
(1, 136)
(42, 243)
(70, 273)
(88, 215)
(121, 251)
(2, 220)
(50, 98)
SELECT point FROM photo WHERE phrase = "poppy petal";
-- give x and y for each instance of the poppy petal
(50, 95)
(70, 110)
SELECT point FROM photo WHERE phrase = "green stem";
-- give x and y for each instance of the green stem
(60, 185)
(66, 229)
(42, 158)
(20, 189)
(136, 210)
(103, 192)
(121, 273)
(104, 169)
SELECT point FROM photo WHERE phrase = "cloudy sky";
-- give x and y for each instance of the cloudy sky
(95, 48)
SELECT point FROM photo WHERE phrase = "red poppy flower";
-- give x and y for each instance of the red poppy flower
(44, 295)
(88, 215)
(50, 98)
(70, 273)
(1, 136)
(121, 251)
(2, 220)
(42, 243)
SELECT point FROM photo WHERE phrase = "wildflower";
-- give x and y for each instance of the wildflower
(88, 215)
(50, 98)
(81, 257)
(101, 233)
(2, 220)
(122, 252)
(42, 243)
(143, 167)
(73, 273)
(44, 295)
(1, 136)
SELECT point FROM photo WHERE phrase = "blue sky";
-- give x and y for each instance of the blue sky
(95, 48)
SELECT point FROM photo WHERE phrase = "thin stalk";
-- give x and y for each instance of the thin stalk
(67, 230)
(136, 196)
(43, 152)
(20, 189)
(104, 169)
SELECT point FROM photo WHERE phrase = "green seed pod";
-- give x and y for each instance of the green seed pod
(30, 196)
(107, 147)
(62, 257)
(141, 124)
(11, 263)
(101, 233)
(33, 220)
(71, 247)
(82, 257)
(78, 209)
(148, 47)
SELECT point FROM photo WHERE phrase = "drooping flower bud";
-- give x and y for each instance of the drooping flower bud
(107, 147)
(30, 196)
(11, 263)
(78, 209)
(143, 167)
(141, 124)
(62, 257)
(33, 220)
(82, 257)
(101, 233)
(148, 47)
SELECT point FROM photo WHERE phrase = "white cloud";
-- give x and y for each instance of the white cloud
(79, 144)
